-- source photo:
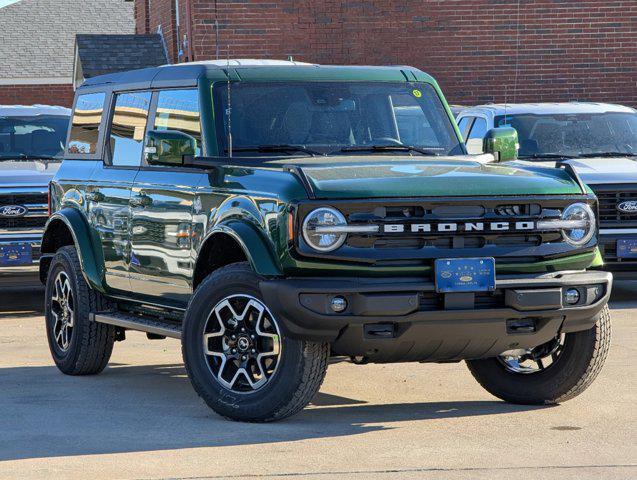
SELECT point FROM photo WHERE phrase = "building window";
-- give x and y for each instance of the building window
(128, 128)
(85, 126)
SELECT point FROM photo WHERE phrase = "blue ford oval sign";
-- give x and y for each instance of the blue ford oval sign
(629, 206)
(13, 211)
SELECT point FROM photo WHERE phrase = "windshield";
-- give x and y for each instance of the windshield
(39, 136)
(327, 117)
(574, 135)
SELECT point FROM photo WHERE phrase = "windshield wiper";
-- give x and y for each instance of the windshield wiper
(23, 156)
(544, 155)
(604, 154)
(389, 148)
(277, 148)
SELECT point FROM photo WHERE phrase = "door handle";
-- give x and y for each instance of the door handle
(141, 201)
(95, 196)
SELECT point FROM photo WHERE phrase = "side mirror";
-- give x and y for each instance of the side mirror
(502, 143)
(168, 147)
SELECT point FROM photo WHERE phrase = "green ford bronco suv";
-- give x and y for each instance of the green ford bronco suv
(276, 216)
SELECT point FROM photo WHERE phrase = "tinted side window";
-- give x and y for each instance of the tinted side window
(476, 136)
(86, 122)
(463, 125)
(128, 127)
(179, 110)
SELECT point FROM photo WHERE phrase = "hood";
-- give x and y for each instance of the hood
(599, 170)
(364, 177)
(34, 173)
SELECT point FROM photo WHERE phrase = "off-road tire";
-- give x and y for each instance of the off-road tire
(91, 343)
(575, 369)
(299, 374)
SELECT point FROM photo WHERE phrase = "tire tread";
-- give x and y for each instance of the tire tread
(95, 345)
(310, 370)
(482, 371)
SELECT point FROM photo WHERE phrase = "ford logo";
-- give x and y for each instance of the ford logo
(629, 206)
(13, 211)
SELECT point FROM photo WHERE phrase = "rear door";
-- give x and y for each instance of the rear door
(112, 182)
(162, 259)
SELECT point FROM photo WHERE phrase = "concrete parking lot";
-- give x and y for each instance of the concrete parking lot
(140, 419)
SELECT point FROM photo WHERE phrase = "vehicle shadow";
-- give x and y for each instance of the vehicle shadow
(145, 408)
(624, 294)
(21, 302)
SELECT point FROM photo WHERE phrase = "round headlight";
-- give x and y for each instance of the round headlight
(581, 216)
(318, 229)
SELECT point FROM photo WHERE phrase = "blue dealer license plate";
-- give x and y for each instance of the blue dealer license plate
(15, 254)
(465, 275)
(627, 248)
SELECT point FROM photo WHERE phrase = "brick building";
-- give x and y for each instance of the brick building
(557, 49)
(37, 41)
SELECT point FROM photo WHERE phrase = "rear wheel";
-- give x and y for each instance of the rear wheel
(78, 346)
(237, 356)
(551, 373)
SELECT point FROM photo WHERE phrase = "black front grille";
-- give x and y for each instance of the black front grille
(416, 231)
(36, 217)
(442, 213)
(149, 231)
(27, 223)
(24, 199)
(609, 196)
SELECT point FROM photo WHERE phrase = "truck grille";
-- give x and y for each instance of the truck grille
(147, 231)
(412, 232)
(35, 218)
(435, 214)
(609, 196)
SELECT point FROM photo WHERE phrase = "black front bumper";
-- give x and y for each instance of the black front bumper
(395, 320)
(621, 267)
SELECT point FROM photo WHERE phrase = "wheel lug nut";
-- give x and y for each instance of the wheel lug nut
(252, 337)
(234, 350)
(243, 329)
(253, 351)
(244, 357)
(234, 337)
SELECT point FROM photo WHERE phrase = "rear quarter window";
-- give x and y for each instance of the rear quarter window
(85, 124)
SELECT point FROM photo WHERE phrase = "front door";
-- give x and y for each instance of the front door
(112, 183)
(162, 258)
(109, 214)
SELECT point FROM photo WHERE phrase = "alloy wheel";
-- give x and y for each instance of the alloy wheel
(533, 360)
(63, 311)
(242, 343)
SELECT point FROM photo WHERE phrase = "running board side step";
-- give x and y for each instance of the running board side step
(141, 324)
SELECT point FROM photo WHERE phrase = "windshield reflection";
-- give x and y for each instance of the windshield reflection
(332, 118)
(41, 136)
(573, 135)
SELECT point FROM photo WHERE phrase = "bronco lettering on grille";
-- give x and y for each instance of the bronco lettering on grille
(462, 227)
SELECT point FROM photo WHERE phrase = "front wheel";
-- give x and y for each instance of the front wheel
(551, 373)
(237, 356)
(78, 345)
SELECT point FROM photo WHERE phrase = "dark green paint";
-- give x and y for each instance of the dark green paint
(502, 143)
(141, 230)
(91, 257)
(361, 177)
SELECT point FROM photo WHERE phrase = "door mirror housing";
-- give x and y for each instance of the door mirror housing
(502, 143)
(168, 147)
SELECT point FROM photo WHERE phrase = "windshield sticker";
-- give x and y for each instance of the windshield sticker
(417, 93)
